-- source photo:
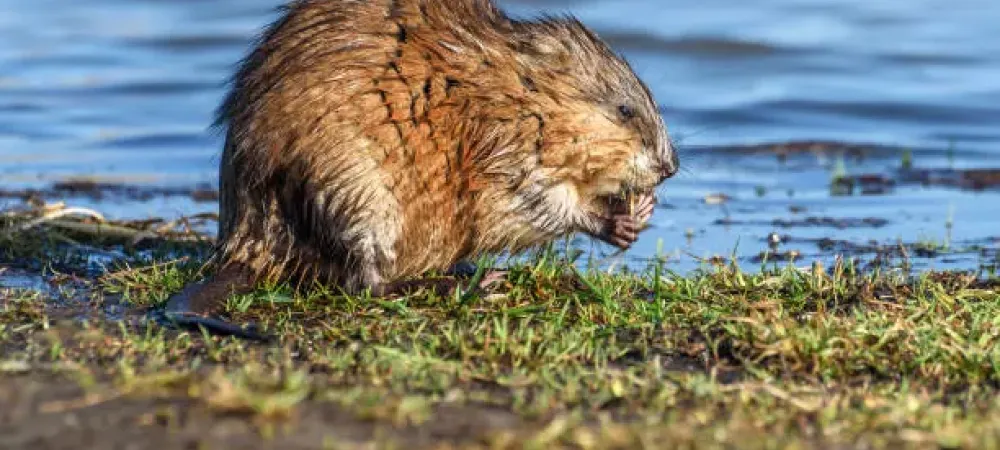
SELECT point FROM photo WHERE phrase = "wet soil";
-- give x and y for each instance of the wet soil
(47, 410)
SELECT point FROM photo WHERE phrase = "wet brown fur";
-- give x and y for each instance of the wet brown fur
(371, 141)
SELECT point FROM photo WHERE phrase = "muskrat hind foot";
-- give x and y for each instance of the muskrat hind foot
(462, 269)
(465, 269)
(196, 305)
(211, 325)
(491, 277)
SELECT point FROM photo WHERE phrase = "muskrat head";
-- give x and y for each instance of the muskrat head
(604, 147)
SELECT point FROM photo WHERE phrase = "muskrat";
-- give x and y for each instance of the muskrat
(368, 142)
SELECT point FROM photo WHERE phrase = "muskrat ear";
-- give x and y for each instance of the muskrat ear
(542, 44)
(546, 48)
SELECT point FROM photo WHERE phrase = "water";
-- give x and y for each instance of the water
(124, 90)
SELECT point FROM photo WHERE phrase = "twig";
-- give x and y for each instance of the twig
(105, 229)
(52, 216)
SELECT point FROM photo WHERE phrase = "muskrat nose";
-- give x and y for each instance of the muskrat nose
(670, 167)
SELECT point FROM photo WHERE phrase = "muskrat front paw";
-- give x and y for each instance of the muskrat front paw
(643, 210)
(622, 231)
(626, 219)
(638, 206)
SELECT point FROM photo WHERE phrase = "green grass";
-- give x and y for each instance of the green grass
(727, 357)
(784, 358)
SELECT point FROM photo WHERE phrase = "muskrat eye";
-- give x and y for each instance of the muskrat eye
(626, 112)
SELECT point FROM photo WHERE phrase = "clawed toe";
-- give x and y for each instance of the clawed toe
(492, 277)
(622, 231)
